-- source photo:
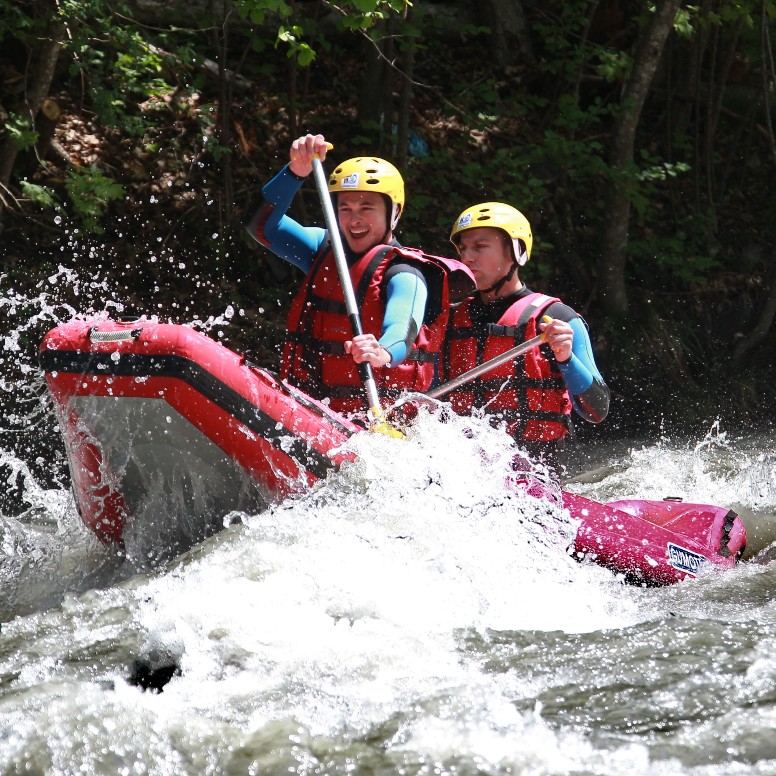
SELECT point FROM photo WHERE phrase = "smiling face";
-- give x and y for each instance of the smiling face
(487, 252)
(362, 219)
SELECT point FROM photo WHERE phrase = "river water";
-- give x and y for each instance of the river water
(408, 616)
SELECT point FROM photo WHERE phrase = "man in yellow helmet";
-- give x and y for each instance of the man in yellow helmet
(404, 295)
(535, 393)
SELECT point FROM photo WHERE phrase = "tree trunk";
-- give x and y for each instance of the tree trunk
(612, 287)
(760, 331)
(406, 65)
(388, 115)
(46, 123)
(38, 83)
(370, 97)
(510, 43)
(219, 36)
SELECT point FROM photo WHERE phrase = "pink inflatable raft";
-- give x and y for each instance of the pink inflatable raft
(168, 432)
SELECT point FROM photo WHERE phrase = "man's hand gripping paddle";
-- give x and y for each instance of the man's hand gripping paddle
(431, 398)
(512, 353)
(378, 422)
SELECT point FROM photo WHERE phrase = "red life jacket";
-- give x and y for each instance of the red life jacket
(318, 325)
(528, 392)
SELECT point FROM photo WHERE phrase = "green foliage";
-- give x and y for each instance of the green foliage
(40, 195)
(365, 14)
(725, 13)
(683, 24)
(297, 49)
(90, 193)
(301, 36)
(257, 11)
(679, 256)
(19, 130)
(536, 135)
(118, 65)
(14, 22)
(644, 190)
(614, 66)
(562, 58)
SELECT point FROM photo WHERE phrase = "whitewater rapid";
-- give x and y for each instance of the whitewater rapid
(409, 615)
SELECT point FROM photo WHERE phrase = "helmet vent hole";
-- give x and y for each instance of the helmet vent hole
(373, 181)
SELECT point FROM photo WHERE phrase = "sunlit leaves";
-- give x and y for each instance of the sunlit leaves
(302, 38)
(693, 17)
(258, 10)
(90, 193)
(614, 66)
(41, 195)
(297, 48)
(683, 24)
(20, 132)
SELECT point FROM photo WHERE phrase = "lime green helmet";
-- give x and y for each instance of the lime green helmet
(499, 216)
(370, 173)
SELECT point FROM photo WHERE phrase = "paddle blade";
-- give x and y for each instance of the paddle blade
(380, 425)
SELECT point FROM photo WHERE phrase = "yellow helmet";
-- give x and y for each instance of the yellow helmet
(499, 216)
(370, 173)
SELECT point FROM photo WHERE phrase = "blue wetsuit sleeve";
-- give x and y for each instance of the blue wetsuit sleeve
(589, 393)
(579, 371)
(406, 295)
(278, 232)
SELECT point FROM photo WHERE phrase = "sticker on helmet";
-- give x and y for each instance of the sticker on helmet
(464, 220)
(350, 181)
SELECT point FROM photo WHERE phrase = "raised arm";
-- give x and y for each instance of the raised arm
(278, 232)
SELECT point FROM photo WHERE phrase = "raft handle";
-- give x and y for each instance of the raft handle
(113, 336)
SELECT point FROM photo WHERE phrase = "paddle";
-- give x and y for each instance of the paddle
(471, 374)
(431, 398)
(365, 368)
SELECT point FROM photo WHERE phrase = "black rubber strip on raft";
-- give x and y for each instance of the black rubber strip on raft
(727, 527)
(202, 381)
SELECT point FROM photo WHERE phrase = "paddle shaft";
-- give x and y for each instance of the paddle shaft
(518, 350)
(351, 306)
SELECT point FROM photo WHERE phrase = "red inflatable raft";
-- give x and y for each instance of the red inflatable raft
(168, 432)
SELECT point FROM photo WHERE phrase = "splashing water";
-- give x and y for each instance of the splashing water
(410, 614)
(44, 549)
(406, 614)
(737, 473)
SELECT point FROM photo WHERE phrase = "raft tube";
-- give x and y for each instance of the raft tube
(169, 432)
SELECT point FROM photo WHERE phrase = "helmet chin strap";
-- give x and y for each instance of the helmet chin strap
(393, 211)
(395, 214)
(499, 284)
